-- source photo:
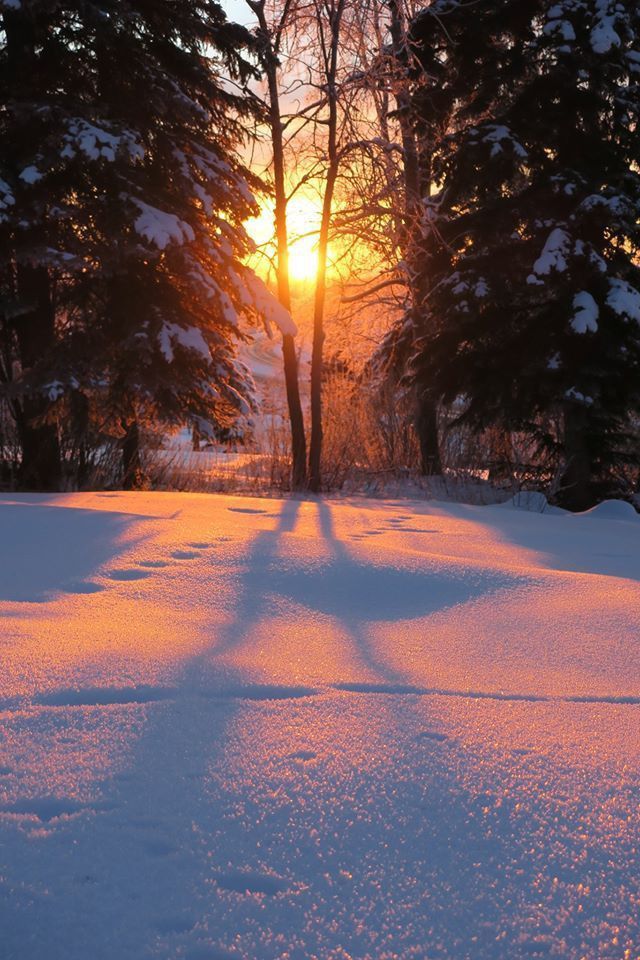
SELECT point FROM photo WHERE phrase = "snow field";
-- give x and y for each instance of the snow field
(245, 728)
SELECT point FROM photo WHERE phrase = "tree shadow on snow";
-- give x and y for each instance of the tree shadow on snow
(39, 561)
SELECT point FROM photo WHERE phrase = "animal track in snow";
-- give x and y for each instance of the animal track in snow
(154, 564)
(185, 555)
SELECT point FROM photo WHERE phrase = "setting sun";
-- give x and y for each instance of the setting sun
(303, 258)
(303, 221)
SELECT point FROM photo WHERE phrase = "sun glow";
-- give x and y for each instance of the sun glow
(303, 258)
(303, 224)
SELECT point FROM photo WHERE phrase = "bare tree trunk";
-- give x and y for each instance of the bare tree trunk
(289, 358)
(331, 66)
(426, 414)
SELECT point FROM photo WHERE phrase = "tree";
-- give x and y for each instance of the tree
(301, 54)
(270, 39)
(329, 14)
(530, 249)
(122, 210)
(383, 174)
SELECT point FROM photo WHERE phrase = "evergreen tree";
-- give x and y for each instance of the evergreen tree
(530, 244)
(122, 201)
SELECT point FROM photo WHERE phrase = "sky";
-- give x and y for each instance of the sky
(238, 11)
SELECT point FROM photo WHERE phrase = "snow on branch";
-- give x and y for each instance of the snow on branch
(161, 228)
(256, 296)
(624, 299)
(603, 35)
(96, 143)
(188, 337)
(554, 255)
(585, 318)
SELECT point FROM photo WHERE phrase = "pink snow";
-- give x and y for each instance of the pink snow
(252, 728)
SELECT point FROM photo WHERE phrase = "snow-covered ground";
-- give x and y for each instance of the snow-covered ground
(241, 728)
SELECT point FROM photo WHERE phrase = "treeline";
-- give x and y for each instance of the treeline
(477, 167)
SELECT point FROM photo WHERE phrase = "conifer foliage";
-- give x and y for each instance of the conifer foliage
(530, 238)
(121, 209)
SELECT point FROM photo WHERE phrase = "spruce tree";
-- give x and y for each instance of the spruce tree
(122, 205)
(530, 244)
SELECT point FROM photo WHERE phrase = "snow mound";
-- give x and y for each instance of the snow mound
(531, 500)
(612, 510)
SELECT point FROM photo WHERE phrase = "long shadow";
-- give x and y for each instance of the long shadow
(148, 836)
(37, 559)
(256, 582)
(362, 593)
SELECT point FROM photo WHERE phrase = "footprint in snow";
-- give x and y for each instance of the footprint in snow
(154, 564)
(129, 574)
(241, 882)
(83, 587)
(433, 735)
(304, 755)
(417, 530)
(200, 545)
(185, 555)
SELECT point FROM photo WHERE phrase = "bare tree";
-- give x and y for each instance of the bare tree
(329, 14)
(271, 36)
(389, 174)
